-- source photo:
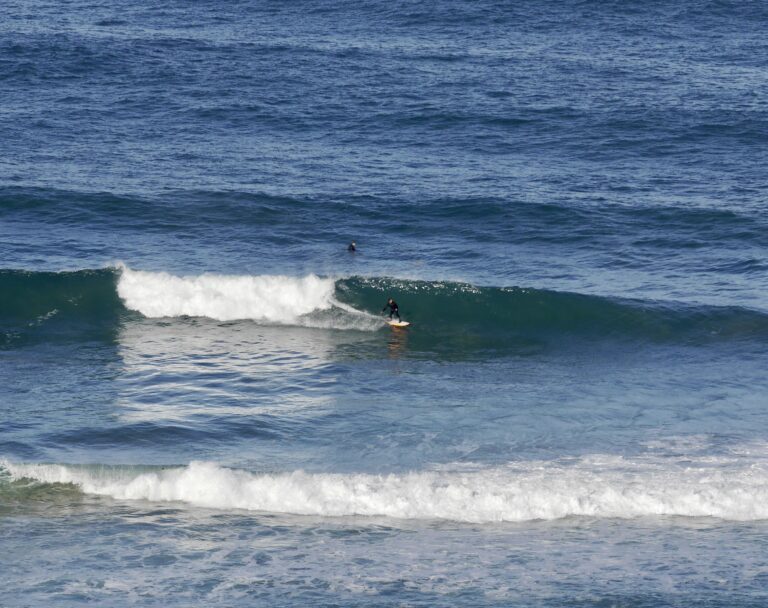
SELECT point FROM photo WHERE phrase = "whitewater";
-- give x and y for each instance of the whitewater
(270, 299)
(595, 486)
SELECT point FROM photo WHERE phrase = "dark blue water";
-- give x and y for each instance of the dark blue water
(200, 402)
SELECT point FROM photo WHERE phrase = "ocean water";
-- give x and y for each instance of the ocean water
(200, 402)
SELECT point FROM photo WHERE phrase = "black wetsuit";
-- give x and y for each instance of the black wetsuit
(393, 309)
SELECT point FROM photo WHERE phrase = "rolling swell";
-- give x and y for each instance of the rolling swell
(180, 210)
(45, 303)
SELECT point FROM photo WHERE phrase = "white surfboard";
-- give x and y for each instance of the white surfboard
(394, 323)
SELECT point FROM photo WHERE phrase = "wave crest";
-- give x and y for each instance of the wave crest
(278, 299)
(307, 301)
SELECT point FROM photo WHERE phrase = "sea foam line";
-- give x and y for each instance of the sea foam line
(535, 491)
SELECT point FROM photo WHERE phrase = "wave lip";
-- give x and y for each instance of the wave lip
(602, 487)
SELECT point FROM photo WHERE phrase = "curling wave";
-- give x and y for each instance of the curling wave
(598, 486)
(445, 314)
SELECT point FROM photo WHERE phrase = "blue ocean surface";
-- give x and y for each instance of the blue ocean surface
(200, 401)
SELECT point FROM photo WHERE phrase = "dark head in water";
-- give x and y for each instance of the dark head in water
(352, 246)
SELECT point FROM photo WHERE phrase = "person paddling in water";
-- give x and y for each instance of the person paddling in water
(393, 309)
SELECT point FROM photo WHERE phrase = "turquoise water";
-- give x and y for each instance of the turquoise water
(200, 402)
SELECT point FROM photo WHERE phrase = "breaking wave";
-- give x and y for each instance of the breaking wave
(442, 312)
(597, 486)
(307, 301)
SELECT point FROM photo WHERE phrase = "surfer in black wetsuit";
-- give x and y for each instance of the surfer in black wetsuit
(352, 247)
(393, 309)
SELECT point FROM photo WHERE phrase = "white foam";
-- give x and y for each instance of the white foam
(307, 301)
(604, 487)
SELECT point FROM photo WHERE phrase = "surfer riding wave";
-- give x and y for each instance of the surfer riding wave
(393, 309)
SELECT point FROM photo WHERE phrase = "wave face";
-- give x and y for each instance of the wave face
(50, 305)
(85, 293)
(598, 486)
(442, 312)
(494, 315)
